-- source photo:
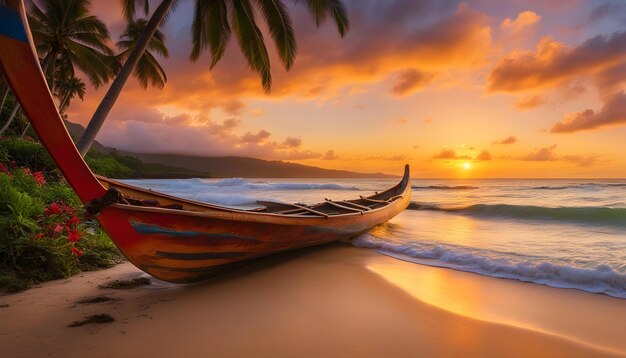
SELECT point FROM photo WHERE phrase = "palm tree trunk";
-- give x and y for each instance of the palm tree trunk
(25, 130)
(4, 97)
(11, 117)
(17, 106)
(52, 82)
(89, 136)
(63, 103)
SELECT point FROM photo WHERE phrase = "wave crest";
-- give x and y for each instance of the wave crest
(582, 214)
(246, 184)
(445, 187)
(600, 279)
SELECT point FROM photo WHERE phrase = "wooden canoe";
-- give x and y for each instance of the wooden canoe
(170, 238)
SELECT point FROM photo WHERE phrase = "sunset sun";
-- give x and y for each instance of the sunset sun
(467, 165)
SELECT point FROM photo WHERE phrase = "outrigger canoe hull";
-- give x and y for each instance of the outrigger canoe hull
(174, 239)
(182, 246)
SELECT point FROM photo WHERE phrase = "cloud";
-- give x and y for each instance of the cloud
(409, 81)
(554, 63)
(391, 158)
(610, 80)
(548, 154)
(573, 92)
(400, 120)
(450, 154)
(612, 113)
(522, 25)
(529, 102)
(581, 160)
(204, 138)
(292, 142)
(233, 107)
(604, 11)
(330, 155)
(508, 140)
(259, 137)
(483, 156)
(541, 154)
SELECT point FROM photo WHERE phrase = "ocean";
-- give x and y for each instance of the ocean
(557, 232)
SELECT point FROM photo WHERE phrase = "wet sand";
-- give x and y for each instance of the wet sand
(332, 301)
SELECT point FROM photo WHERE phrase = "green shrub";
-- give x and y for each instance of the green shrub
(99, 252)
(27, 154)
(43, 237)
(107, 165)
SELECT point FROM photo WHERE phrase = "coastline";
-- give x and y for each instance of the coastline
(335, 300)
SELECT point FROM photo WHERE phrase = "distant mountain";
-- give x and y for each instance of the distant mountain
(76, 130)
(229, 167)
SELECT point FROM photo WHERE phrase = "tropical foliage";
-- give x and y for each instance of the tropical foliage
(148, 69)
(45, 233)
(67, 37)
(66, 33)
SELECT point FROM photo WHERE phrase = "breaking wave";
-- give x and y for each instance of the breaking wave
(579, 186)
(599, 279)
(585, 214)
(246, 184)
(445, 187)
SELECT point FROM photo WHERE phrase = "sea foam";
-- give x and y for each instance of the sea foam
(599, 279)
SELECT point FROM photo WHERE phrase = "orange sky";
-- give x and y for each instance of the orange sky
(479, 88)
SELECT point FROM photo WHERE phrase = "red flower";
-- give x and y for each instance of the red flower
(4, 169)
(27, 171)
(39, 178)
(77, 252)
(38, 236)
(67, 209)
(53, 209)
(57, 228)
(72, 221)
(73, 236)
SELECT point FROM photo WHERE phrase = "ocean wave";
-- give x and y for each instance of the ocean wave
(239, 183)
(584, 214)
(599, 279)
(445, 187)
(579, 186)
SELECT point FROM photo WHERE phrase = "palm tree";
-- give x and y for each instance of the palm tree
(213, 23)
(65, 30)
(65, 33)
(68, 89)
(148, 70)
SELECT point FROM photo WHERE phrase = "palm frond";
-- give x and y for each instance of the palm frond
(129, 8)
(280, 28)
(210, 29)
(251, 41)
(149, 71)
(320, 9)
(98, 68)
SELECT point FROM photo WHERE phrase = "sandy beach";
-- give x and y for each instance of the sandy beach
(332, 301)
